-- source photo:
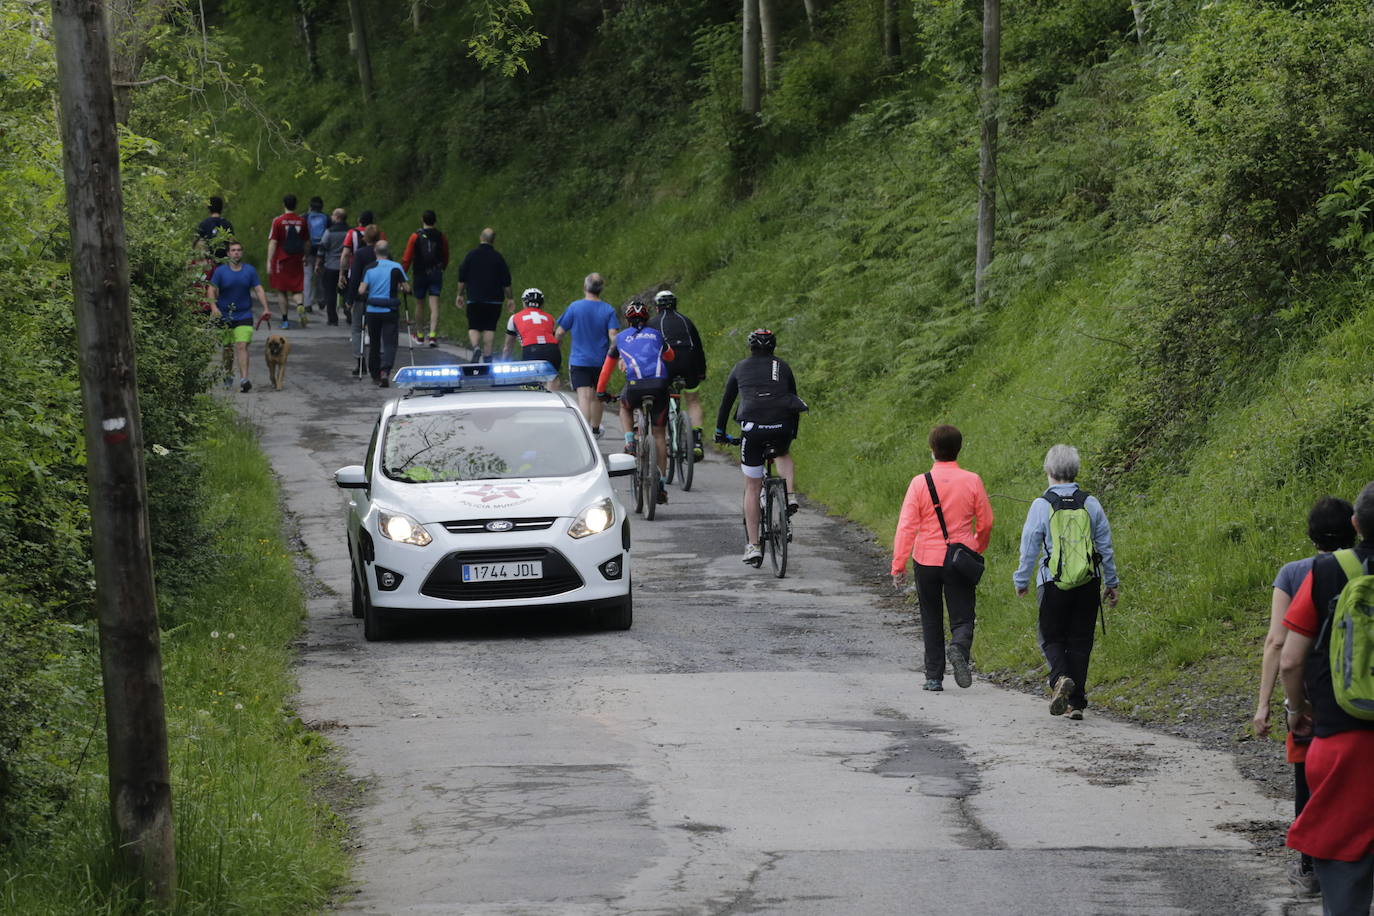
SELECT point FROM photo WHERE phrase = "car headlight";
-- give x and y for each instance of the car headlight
(402, 528)
(594, 519)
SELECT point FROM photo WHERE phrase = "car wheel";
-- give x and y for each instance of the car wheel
(357, 591)
(619, 616)
(376, 628)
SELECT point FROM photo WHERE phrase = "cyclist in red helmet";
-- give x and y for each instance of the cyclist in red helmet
(645, 355)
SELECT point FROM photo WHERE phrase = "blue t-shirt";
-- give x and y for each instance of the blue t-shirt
(588, 320)
(1290, 577)
(641, 350)
(378, 280)
(235, 291)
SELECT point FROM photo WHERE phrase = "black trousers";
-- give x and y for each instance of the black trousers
(1067, 619)
(381, 332)
(938, 590)
(329, 292)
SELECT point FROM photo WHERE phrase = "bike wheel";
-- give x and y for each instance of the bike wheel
(651, 482)
(637, 481)
(776, 510)
(672, 441)
(687, 461)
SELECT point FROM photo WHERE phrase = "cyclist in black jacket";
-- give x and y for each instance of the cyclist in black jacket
(690, 365)
(768, 415)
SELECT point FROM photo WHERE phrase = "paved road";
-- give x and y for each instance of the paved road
(751, 746)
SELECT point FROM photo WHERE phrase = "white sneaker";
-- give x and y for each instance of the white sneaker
(753, 556)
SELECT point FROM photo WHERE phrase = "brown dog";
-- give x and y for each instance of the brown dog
(278, 349)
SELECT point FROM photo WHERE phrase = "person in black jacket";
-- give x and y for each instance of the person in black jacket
(690, 365)
(483, 287)
(768, 417)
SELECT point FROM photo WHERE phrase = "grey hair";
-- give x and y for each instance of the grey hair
(488, 236)
(1061, 463)
(381, 249)
(1364, 511)
(594, 284)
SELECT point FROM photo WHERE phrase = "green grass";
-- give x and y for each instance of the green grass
(254, 832)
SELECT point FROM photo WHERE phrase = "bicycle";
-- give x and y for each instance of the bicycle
(775, 524)
(681, 462)
(646, 479)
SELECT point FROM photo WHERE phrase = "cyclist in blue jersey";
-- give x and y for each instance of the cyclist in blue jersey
(644, 354)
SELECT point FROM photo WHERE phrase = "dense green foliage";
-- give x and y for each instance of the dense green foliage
(1179, 286)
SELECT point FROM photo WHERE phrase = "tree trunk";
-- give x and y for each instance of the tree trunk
(129, 23)
(751, 101)
(1141, 31)
(126, 601)
(415, 6)
(355, 11)
(811, 6)
(892, 35)
(307, 27)
(987, 153)
(768, 29)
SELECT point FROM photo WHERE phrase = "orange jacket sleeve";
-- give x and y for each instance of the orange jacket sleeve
(410, 251)
(668, 354)
(606, 369)
(982, 511)
(905, 539)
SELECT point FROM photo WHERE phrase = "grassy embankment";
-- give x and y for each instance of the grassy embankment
(857, 247)
(254, 831)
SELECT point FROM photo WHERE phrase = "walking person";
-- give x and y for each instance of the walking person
(353, 241)
(363, 257)
(483, 288)
(378, 290)
(1067, 543)
(427, 253)
(534, 329)
(1329, 529)
(316, 221)
(234, 285)
(690, 365)
(331, 254)
(214, 232)
(593, 325)
(945, 507)
(1335, 827)
(286, 247)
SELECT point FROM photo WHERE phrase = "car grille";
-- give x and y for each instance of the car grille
(479, 525)
(446, 579)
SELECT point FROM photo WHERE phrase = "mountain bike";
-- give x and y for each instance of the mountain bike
(646, 479)
(681, 463)
(775, 525)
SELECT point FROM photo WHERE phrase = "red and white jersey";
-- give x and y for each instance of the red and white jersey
(532, 326)
(280, 227)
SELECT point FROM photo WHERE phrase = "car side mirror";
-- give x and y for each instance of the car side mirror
(352, 477)
(618, 465)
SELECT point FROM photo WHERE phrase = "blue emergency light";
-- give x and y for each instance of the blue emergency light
(473, 376)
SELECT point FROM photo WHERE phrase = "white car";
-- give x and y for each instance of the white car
(479, 491)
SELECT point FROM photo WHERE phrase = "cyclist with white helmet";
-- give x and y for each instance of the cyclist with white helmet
(533, 327)
(768, 414)
(690, 365)
(645, 356)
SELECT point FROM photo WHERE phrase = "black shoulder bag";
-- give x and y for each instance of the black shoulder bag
(964, 562)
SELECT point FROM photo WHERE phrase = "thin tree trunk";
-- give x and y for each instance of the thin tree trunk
(355, 11)
(768, 29)
(751, 101)
(987, 152)
(811, 15)
(307, 27)
(1141, 31)
(415, 6)
(892, 35)
(126, 601)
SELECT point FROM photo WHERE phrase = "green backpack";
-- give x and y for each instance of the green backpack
(1073, 558)
(1350, 632)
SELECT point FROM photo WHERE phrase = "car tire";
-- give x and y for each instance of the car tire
(376, 628)
(619, 616)
(357, 591)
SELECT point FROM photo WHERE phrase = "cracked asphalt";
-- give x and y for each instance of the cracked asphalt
(752, 745)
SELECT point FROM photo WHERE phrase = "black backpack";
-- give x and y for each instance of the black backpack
(429, 248)
(294, 243)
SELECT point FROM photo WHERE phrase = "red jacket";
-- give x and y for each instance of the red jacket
(968, 515)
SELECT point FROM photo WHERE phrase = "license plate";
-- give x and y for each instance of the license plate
(488, 572)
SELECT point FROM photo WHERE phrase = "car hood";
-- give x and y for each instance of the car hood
(543, 497)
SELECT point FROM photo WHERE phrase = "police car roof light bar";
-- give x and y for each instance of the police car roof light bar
(473, 376)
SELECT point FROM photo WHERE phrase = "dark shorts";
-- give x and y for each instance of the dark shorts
(428, 282)
(583, 376)
(482, 316)
(551, 352)
(690, 379)
(635, 393)
(759, 441)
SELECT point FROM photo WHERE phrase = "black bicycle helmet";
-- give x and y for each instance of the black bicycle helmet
(637, 312)
(666, 300)
(762, 339)
(532, 296)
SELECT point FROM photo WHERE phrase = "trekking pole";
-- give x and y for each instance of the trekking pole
(362, 340)
(410, 338)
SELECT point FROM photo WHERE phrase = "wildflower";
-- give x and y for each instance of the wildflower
(228, 635)
(214, 634)
(254, 817)
(238, 706)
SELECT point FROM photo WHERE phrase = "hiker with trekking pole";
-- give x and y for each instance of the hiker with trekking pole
(1067, 542)
(380, 290)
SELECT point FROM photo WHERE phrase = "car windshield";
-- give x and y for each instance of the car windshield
(484, 444)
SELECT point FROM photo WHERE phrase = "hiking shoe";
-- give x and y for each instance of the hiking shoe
(245, 386)
(434, 342)
(792, 507)
(1303, 879)
(698, 453)
(596, 432)
(285, 324)
(629, 447)
(662, 497)
(1059, 702)
(753, 556)
(383, 379)
(932, 684)
(1075, 714)
(958, 660)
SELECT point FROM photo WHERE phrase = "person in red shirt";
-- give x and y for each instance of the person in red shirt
(1336, 827)
(427, 253)
(533, 327)
(925, 535)
(287, 245)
